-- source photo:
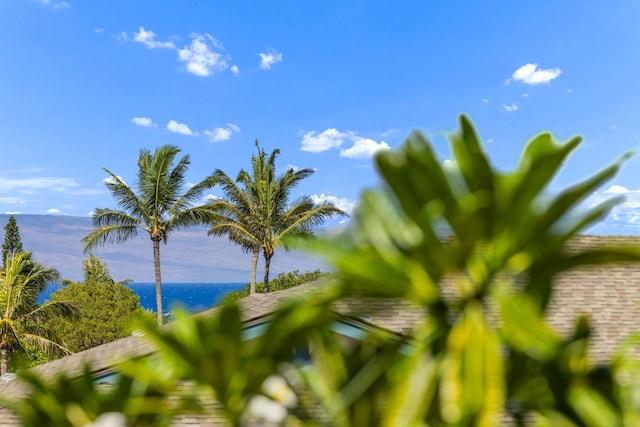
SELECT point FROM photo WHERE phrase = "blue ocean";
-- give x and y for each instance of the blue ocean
(194, 297)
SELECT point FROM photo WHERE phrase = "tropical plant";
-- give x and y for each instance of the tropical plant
(95, 270)
(12, 241)
(80, 401)
(476, 250)
(22, 319)
(107, 309)
(258, 215)
(157, 208)
(237, 215)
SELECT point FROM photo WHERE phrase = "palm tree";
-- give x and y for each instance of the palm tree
(283, 219)
(157, 208)
(238, 214)
(234, 219)
(21, 317)
(256, 213)
(96, 271)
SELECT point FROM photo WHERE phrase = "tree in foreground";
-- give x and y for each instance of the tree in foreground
(476, 250)
(107, 309)
(22, 319)
(12, 241)
(257, 213)
(157, 206)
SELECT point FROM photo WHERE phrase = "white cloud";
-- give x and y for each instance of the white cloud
(211, 197)
(363, 148)
(390, 132)
(485, 101)
(111, 180)
(341, 203)
(218, 134)
(53, 211)
(525, 95)
(532, 75)
(509, 108)
(98, 30)
(12, 201)
(200, 56)
(180, 128)
(332, 138)
(450, 165)
(319, 142)
(222, 134)
(55, 4)
(613, 126)
(269, 58)
(619, 189)
(624, 217)
(143, 121)
(32, 185)
(147, 38)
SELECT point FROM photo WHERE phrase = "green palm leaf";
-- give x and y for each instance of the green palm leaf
(156, 206)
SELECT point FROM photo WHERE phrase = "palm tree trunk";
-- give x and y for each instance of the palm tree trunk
(4, 360)
(267, 263)
(254, 269)
(156, 267)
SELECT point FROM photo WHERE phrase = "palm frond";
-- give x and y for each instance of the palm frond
(192, 196)
(124, 196)
(158, 185)
(46, 345)
(109, 234)
(194, 216)
(21, 317)
(237, 233)
(52, 309)
(9, 335)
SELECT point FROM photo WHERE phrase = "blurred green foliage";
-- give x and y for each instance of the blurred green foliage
(278, 283)
(476, 248)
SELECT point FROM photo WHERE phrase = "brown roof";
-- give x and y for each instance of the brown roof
(609, 296)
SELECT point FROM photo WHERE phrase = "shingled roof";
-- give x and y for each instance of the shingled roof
(608, 295)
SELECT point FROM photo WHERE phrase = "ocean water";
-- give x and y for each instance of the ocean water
(195, 297)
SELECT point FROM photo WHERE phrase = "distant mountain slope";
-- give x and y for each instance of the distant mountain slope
(189, 255)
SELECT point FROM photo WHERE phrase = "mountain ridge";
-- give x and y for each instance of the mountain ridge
(189, 255)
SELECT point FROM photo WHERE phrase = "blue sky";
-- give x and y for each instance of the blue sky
(87, 84)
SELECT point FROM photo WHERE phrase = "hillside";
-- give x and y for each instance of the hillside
(188, 256)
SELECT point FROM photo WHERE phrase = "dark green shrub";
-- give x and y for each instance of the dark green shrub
(280, 282)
